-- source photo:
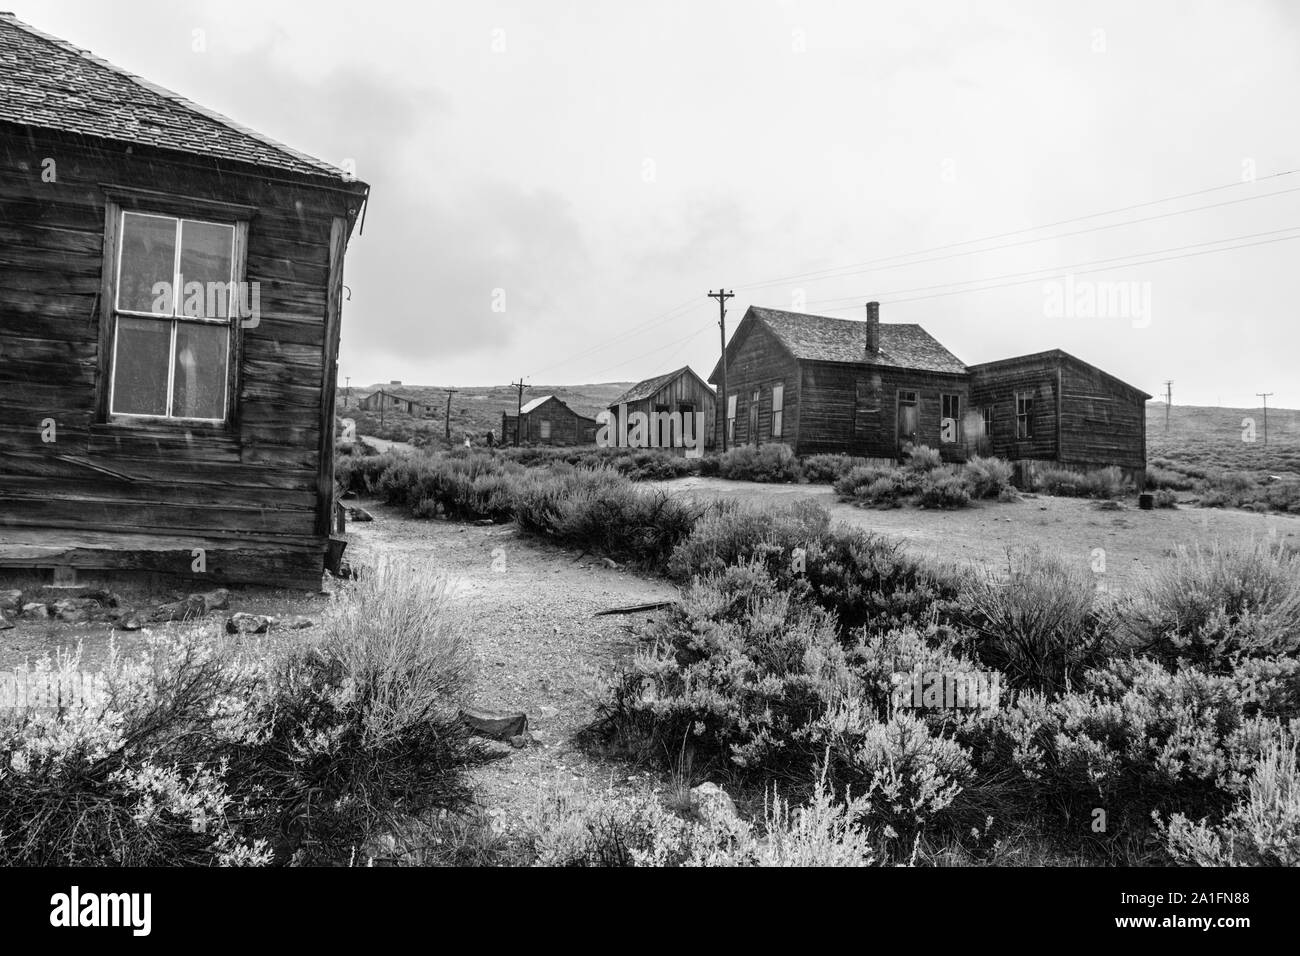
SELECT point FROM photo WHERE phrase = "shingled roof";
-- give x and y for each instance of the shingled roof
(48, 83)
(647, 387)
(821, 338)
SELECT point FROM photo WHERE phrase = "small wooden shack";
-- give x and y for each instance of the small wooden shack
(388, 399)
(170, 302)
(823, 384)
(548, 421)
(680, 393)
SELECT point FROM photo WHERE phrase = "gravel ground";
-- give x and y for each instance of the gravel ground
(529, 607)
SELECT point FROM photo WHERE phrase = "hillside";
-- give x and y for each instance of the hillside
(1211, 438)
(475, 409)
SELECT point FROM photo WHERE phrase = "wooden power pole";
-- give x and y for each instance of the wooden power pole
(1264, 396)
(722, 296)
(1169, 400)
(450, 392)
(519, 410)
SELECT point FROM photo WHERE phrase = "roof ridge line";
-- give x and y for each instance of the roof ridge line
(174, 97)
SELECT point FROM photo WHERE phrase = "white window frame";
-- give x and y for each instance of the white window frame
(778, 409)
(731, 417)
(178, 291)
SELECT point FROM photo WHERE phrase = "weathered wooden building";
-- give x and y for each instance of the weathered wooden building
(170, 302)
(548, 421)
(822, 384)
(681, 393)
(387, 399)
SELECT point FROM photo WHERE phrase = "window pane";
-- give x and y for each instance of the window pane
(200, 377)
(207, 252)
(140, 366)
(148, 257)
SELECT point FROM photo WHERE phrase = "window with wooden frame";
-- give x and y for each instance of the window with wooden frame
(986, 413)
(778, 409)
(731, 417)
(754, 399)
(1024, 415)
(545, 429)
(173, 294)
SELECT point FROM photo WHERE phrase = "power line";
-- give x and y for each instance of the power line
(835, 271)
(1206, 252)
(619, 338)
(856, 300)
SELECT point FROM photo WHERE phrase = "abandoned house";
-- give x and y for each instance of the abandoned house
(388, 399)
(548, 421)
(822, 384)
(170, 300)
(682, 393)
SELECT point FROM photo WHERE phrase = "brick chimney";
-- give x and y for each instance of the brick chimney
(873, 328)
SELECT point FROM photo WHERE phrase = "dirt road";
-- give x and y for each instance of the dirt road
(539, 650)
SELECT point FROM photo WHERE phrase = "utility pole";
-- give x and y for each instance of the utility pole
(1264, 396)
(348, 392)
(450, 392)
(722, 296)
(1169, 400)
(519, 410)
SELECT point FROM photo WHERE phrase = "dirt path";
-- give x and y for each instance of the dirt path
(1134, 541)
(539, 650)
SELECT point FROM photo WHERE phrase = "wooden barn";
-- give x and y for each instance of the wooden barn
(170, 301)
(682, 393)
(548, 421)
(822, 384)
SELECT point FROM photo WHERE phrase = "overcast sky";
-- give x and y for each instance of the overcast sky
(607, 164)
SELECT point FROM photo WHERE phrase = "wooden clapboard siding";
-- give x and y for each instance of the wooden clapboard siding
(996, 386)
(1103, 420)
(264, 475)
(685, 388)
(567, 426)
(1083, 417)
(853, 409)
(759, 363)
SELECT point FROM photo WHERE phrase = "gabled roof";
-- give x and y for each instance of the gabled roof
(821, 338)
(48, 83)
(646, 388)
(1057, 355)
(536, 403)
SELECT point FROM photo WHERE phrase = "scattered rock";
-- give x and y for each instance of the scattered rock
(356, 513)
(295, 623)
(242, 622)
(130, 622)
(610, 563)
(193, 606)
(547, 712)
(710, 800)
(5, 623)
(11, 600)
(498, 726)
(519, 741)
(37, 612)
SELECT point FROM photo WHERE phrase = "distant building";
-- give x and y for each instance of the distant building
(392, 400)
(548, 421)
(822, 384)
(681, 393)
